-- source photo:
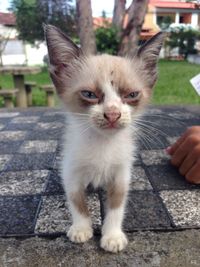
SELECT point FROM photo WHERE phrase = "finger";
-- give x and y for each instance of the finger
(190, 143)
(189, 161)
(172, 149)
(180, 153)
(190, 131)
(193, 175)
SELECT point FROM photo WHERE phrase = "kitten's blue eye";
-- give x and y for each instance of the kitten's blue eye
(88, 94)
(132, 95)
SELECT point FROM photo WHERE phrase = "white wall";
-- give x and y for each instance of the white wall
(18, 53)
(35, 54)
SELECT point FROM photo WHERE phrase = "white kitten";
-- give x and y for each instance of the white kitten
(103, 95)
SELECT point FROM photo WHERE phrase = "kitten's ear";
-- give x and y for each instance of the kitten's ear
(62, 52)
(150, 50)
(149, 54)
(61, 48)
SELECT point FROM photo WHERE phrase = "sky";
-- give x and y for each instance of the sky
(97, 6)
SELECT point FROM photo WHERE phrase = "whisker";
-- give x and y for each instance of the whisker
(78, 114)
(148, 133)
(87, 128)
(143, 138)
(165, 116)
(150, 127)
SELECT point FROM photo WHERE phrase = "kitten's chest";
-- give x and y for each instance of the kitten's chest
(101, 152)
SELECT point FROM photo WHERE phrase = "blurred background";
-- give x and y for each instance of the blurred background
(115, 27)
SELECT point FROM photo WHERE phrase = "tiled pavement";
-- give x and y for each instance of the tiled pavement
(32, 200)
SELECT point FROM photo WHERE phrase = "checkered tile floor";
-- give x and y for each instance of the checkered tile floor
(32, 200)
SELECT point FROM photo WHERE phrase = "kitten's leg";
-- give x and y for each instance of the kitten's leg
(81, 229)
(113, 239)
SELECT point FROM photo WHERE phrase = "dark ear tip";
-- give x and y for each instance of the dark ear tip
(158, 36)
(48, 27)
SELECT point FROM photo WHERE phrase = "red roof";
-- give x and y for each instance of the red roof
(7, 19)
(174, 4)
(100, 22)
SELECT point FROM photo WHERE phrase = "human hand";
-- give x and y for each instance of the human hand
(185, 154)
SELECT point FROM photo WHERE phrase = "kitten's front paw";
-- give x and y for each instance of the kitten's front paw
(79, 234)
(114, 242)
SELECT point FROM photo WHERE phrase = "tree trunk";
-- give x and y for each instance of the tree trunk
(131, 34)
(85, 26)
(118, 15)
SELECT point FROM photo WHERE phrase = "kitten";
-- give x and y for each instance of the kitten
(103, 96)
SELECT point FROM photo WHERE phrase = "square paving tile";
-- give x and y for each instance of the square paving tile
(9, 147)
(184, 207)
(51, 134)
(55, 117)
(17, 214)
(154, 157)
(2, 126)
(25, 119)
(4, 159)
(23, 182)
(38, 146)
(49, 125)
(165, 177)
(20, 126)
(40, 161)
(54, 113)
(145, 211)
(54, 184)
(9, 114)
(54, 216)
(180, 115)
(139, 180)
(12, 135)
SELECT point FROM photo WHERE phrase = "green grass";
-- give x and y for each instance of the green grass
(39, 98)
(173, 86)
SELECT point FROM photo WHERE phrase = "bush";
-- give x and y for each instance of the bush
(107, 40)
(184, 37)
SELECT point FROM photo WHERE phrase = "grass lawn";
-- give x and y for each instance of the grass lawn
(173, 86)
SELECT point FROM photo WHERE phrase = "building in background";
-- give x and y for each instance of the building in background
(160, 15)
(15, 51)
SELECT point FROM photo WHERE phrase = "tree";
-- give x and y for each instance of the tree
(85, 26)
(107, 39)
(183, 37)
(119, 14)
(135, 17)
(31, 14)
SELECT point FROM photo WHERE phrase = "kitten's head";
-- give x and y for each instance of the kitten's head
(111, 90)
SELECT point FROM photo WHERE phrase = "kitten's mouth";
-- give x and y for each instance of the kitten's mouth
(112, 126)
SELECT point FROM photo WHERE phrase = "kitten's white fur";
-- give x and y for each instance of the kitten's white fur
(95, 158)
(93, 154)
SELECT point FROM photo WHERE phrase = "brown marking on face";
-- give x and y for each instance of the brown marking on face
(112, 82)
(125, 91)
(79, 202)
(115, 194)
(87, 103)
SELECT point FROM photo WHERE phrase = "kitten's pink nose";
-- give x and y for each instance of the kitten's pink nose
(112, 116)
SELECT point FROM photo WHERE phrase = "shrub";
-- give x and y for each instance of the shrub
(184, 37)
(107, 39)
